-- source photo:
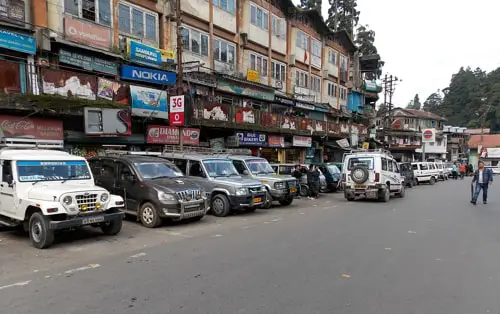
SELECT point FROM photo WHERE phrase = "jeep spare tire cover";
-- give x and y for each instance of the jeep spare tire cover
(359, 175)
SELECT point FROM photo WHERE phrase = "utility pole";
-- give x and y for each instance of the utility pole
(180, 83)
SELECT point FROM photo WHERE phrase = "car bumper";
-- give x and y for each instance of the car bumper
(244, 201)
(370, 191)
(79, 221)
(283, 194)
(184, 210)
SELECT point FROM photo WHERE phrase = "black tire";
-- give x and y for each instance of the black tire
(287, 202)
(432, 181)
(148, 215)
(410, 184)
(359, 175)
(385, 195)
(112, 228)
(304, 190)
(220, 206)
(40, 235)
(402, 193)
(348, 198)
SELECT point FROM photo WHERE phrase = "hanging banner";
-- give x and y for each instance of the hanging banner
(169, 135)
(302, 141)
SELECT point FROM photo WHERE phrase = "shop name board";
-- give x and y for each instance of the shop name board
(18, 42)
(148, 75)
(302, 105)
(142, 53)
(284, 101)
(302, 141)
(12, 10)
(87, 33)
(251, 139)
(170, 135)
(275, 141)
(88, 62)
(42, 129)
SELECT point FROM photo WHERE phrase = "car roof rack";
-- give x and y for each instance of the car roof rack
(135, 153)
(360, 150)
(225, 152)
(21, 142)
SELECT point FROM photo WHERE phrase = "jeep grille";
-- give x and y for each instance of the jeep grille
(86, 202)
(189, 195)
(254, 189)
(291, 184)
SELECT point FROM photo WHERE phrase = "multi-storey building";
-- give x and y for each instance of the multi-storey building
(457, 138)
(403, 135)
(256, 73)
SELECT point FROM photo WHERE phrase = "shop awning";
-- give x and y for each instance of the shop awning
(333, 144)
(74, 137)
(81, 46)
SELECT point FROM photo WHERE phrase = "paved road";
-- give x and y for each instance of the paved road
(432, 252)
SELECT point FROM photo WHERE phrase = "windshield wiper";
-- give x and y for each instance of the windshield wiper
(68, 178)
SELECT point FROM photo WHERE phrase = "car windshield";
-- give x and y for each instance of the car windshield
(220, 168)
(154, 170)
(259, 166)
(333, 169)
(49, 170)
(366, 162)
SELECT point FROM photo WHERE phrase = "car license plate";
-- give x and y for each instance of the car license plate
(257, 199)
(293, 190)
(93, 220)
(360, 186)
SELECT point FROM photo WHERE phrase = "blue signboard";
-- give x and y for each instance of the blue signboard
(148, 102)
(251, 139)
(148, 75)
(18, 42)
(145, 54)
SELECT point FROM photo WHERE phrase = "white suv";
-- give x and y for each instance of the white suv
(373, 174)
(425, 172)
(46, 190)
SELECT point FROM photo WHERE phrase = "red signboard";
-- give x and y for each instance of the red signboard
(176, 116)
(169, 135)
(275, 141)
(42, 129)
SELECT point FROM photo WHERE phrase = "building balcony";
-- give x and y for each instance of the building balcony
(220, 115)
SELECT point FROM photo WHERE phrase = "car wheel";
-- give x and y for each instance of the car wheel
(112, 228)
(402, 193)
(432, 181)
(385, 195)
(348, 197)
(269, 201)
(359, 175)
(287, 201)
(410, 184)
(220, 205)
(304, 190)
(40, 235)
(148, 215)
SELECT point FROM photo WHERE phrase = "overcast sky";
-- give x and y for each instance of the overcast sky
(424, 42)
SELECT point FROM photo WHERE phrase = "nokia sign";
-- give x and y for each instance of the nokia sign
(148, 75)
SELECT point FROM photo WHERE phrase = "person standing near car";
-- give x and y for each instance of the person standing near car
(311, 182)
(462, 169)
(483, 177)
(297, 174)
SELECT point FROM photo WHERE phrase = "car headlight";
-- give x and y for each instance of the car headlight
(279, 185)
(162, 196)
(67, 200)
(104, 197)
(241, 191)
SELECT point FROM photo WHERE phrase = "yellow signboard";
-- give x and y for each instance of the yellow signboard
(167, 55)
(252, 75)
(366, 145)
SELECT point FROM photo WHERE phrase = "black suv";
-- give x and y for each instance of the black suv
(153, 188)
(406, 171)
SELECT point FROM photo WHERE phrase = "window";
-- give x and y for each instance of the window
(279, 27)
(194, 41)
(6, 171)
(259, 17)
(366, 162)
(228, 5)
(332, 57)
(181, 164)
(332, 90)
(301, 78)
(137, 21)
(343, 93)
(195, 169)
(258, 63)
(390, 166)
(98, 11)
(343, 63)
(278, 71)
(240, 166)
(423, 167)
(224, 51)
(302, 40)
(384, 164)
(316, 48)
(316, 84)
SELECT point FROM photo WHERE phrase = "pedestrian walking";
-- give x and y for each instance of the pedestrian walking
(454, 171)
(483, 177)
(462, 171)
(470, 169)
(297, 174)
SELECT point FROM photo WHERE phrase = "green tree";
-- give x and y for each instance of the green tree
(433, 102)
(365, 40)
(416, 103)
(343, 15)
(311, 4)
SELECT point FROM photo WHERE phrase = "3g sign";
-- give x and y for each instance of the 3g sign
(177, 110)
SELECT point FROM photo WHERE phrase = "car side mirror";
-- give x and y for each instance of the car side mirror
(129, 178)
(245, 172)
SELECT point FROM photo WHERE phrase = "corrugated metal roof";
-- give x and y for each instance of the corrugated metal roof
(489, 140)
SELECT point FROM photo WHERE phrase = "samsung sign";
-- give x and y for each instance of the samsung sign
(148, 75)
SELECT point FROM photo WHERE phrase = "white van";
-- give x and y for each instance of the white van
(425, 172)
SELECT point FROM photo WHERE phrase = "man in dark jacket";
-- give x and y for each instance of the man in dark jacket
(483, 178)
(297, 174)
(313, 181)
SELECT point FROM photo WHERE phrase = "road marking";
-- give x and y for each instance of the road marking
(138, 255)
(302, 213)
(247, 227)
(178, 234)
(439, 260)
(17, 284)
(411, 232)
(266, 222)
(388, 249)
(276, 219)
(346, 276)
(79, 269)
(217, 235)
(335, 206)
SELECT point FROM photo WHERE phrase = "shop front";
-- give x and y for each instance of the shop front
(275, 150)
(297, 152)
(253, 140)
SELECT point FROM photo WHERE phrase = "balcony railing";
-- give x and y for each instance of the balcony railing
(227, 116)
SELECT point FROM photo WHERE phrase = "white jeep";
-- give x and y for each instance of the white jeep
(373, 174)
(44, 190)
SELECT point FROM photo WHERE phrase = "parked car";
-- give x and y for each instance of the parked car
(373, 174)
(44, 191)
(287, 170)
(442, 171)
(406, 171)
(494, 169)
(332, 176)
(153, 188)
(425, 172)
(229, 191)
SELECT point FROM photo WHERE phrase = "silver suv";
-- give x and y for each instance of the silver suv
(217, 175)
(279, 188)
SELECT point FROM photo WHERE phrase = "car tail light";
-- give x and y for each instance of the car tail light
(377, 176)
